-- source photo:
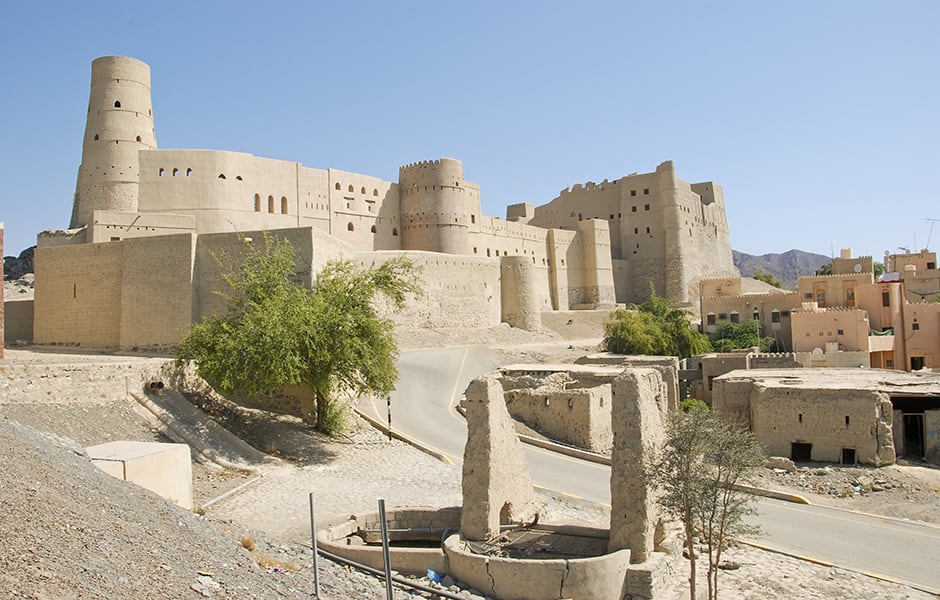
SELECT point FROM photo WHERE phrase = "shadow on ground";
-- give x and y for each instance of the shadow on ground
(283, 436)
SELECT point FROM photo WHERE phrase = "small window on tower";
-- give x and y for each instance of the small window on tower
(117, 104)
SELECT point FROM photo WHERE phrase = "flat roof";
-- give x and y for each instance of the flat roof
(895, 383)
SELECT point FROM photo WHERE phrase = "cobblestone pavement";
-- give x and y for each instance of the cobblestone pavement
(347, 483)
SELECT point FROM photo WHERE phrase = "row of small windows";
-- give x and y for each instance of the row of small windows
(645, 207)
(646, 192)
(373, 229)
(189, 172)
(735, 317)
(352, 189)
(271, 204)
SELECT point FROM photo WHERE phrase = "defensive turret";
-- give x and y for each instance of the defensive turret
(436, 207)
(119, 124)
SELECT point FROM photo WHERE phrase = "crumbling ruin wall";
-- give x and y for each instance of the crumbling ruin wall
(497, 487)
(579, 417)
(668, 367)
(731, 398)
(639, 408)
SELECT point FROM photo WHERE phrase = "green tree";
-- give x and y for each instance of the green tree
(826, 269)
(697, 472)
(730, 336)
(277, 332)
(879, 269)
(767, 278)
(655, 327)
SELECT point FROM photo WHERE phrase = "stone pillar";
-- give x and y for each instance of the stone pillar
(638, 408)
(497, 487)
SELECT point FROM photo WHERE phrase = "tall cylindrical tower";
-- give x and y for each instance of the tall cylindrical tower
(436, 207)
(119, 124)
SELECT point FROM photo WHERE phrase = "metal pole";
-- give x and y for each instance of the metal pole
(316, 560)
(385, 555)
(388, 403)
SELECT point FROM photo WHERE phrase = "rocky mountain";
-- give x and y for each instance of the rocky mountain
(786, 267)
(15, 267)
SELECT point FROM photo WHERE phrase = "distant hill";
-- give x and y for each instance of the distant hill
(786, 267)
(15, 267)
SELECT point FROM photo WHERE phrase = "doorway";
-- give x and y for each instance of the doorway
(801, 452)
(913, 435)
(917, 363)
(848, 456)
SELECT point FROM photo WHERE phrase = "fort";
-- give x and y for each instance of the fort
(135, 266)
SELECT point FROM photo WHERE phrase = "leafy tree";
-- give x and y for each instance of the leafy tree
(697, 471)
(655, 327)
(826, 269)
(730, 336)
(767, 278)
(277, 332)
(879, 269)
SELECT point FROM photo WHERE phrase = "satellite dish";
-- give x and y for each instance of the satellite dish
(858, 267)
(817, 351)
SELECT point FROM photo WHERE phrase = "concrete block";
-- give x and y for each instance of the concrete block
(165, 469)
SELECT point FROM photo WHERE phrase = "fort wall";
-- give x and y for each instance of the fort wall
(112, 226)
(156, 290)
(364, 211)
(458, 291)
(75, 383)
(78, 289)
(132, 293)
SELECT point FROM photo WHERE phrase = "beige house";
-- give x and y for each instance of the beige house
(726, 299)
(919, 273)
(836, 415)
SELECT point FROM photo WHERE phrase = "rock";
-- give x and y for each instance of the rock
(780, 462)
(448, 581)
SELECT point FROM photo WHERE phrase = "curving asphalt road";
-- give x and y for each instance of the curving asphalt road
(430, 386)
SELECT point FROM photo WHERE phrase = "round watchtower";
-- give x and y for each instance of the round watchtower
(119, 124)
(436, 207)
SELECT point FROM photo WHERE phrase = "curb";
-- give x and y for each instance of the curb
(824, 563)
(404, 438)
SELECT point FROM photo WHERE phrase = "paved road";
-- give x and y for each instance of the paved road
(432, 381)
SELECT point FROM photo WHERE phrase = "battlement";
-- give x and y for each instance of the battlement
(432, 164)
(833, 276)
(754, 296)
(828, 309)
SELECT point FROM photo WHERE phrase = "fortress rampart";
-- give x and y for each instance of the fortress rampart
(135, 204)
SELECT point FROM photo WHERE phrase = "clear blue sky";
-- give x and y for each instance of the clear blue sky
(819, 119)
